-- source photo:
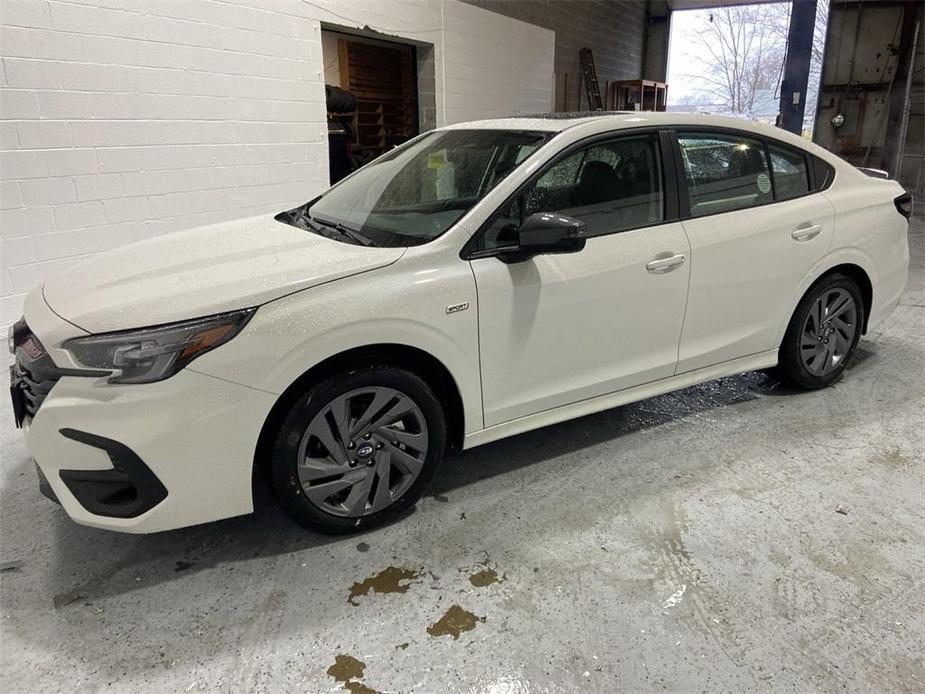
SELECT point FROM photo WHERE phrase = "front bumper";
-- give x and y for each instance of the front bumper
(151, 457)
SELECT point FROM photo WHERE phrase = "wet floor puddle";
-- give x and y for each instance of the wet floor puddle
(349, 670)
(454, 622)
(485, 577)
(389, 580)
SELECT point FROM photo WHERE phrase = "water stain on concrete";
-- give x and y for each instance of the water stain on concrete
(454, 622)
(389, 580)
(62, 599)
(485, 577)
(346, 668)
(893, 458)
(349, 670)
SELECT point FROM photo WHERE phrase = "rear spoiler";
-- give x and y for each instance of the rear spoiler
(873, 173)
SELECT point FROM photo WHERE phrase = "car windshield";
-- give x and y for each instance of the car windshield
(414, 193)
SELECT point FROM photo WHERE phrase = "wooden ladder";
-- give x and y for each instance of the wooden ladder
(589, 74)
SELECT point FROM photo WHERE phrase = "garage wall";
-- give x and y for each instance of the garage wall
(121, 119)
(615, 30)
(483, 76)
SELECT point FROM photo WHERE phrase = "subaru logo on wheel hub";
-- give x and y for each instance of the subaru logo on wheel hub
(365, 450)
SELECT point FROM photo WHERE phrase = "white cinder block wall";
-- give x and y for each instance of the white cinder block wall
(124, 119)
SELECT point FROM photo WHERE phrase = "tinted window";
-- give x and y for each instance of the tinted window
(611, 186)
(824, 173)
(724, 172)
(791, 177)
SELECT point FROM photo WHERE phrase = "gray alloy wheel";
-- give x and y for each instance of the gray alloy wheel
(362, 451)
(828, 332)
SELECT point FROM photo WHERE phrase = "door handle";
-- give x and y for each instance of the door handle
(806, 233)
(660, 266)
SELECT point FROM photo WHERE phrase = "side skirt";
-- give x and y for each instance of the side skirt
(762, 360)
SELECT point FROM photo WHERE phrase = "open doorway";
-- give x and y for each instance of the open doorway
(372, 95)
(729, 60)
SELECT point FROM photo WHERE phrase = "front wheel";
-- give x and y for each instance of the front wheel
(358, 449)
(823, 333)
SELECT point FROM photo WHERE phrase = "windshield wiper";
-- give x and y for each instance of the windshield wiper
(343, 229)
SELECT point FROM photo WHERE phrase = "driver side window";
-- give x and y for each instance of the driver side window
(611, 186)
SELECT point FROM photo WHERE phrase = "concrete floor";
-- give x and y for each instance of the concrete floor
(731, 536)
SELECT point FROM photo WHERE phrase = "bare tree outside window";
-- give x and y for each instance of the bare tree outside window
(729, 60)
(737, 53)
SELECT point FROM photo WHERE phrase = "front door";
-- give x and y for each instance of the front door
(558, 329)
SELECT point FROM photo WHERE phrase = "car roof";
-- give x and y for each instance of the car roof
(557, 122)
(616, 120)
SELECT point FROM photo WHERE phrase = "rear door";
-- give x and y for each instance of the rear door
(756, 229)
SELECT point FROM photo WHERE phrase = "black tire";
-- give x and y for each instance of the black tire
(284, 476)
(791, 367)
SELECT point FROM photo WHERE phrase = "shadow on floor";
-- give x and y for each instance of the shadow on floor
(111, 557)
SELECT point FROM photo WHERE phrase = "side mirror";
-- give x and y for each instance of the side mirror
(547, 232)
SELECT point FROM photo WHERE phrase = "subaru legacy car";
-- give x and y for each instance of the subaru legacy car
(480, 281)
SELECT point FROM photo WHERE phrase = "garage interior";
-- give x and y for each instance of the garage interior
(736, 535)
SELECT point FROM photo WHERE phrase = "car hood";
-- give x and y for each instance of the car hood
(198, 272)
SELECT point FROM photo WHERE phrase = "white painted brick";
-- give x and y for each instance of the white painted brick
(26, 221)
(38, 192)
(24, 13)
(25, 278)
(121, 159)
(170, 205)
(207, 200)
(53, 45)
(127, 210)
(9, 138)
(99, 186)
(70, 162)
(86, 19)
(145, 183)
(67, 244)
(10, 195)
(44, 134)
(32, 74)
(19, 165)
(17, 251)
(79, 215)
(194, 11)
(170, 30)
(99, 78)
(16, 103)
(11, 308)
(15, 40)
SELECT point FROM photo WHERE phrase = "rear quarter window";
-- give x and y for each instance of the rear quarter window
(791, 175)
(824, 172)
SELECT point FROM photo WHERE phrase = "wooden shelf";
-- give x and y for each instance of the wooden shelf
(381, 79)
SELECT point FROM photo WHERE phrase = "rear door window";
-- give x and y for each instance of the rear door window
(724, 172)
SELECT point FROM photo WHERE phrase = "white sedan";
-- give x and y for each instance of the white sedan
(480, 281)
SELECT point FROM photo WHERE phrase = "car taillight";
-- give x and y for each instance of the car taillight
(904, 205)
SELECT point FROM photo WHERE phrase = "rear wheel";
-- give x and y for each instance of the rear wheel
(358, 449)
(823, 333)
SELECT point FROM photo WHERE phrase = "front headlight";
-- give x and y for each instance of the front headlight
(153, 354)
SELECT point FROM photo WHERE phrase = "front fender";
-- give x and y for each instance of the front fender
(404, 304)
